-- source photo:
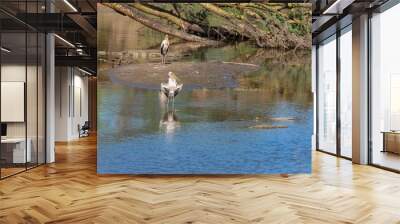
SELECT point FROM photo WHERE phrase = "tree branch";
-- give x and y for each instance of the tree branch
(155, 11)
(153, 24)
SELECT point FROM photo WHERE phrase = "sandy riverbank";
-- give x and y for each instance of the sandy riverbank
(214, 74)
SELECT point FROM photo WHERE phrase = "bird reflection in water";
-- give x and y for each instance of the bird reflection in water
(169, 123)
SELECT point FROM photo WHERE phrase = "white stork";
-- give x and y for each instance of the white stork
(164, 48)
(171, 88)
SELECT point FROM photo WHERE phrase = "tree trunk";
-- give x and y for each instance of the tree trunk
(153, 24)
(152, 10)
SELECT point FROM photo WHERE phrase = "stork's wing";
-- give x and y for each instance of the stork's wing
(162, 48)
(178, 89)
(164, 89)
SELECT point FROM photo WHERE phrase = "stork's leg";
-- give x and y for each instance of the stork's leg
(168, 104)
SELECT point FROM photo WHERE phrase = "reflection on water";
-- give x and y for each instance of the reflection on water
(169, 122)
(209, 132)
(127, 113)
(212, 130)
(118, 33)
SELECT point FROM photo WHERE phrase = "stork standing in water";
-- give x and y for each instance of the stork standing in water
(172, 88)
(164, 49)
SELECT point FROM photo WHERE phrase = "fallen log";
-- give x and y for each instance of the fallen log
(238, 63)
(156, 25)
(152, 10)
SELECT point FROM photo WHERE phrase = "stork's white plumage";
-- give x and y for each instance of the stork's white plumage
(164, 49)
(171, 88)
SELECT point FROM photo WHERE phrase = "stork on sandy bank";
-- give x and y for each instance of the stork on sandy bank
(164, 49)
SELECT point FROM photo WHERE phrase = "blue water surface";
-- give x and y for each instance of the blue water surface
(207, 132)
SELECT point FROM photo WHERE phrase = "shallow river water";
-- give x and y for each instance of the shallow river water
(210, 130)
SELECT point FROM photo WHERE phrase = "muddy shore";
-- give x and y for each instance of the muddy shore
(210, 75)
